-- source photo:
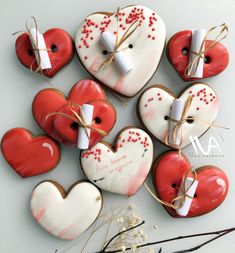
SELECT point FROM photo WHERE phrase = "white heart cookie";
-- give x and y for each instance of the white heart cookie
(143, 49)
(123, 170)
(155, 108)
(66, 215)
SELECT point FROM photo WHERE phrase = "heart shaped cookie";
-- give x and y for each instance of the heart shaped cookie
(170, 168)
(61, 53)
(142, 49)
(66, 215)
(29, 155)
(63, 129)
(178, 52)
(155, 105)
(122, 169)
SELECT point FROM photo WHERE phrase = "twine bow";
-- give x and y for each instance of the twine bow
(78, 118)
(182, 197)
(119, 43)
(177, 130)
(28, 26)
(192, 66)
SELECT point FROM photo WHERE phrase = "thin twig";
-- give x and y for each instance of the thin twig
(103, 250)
(203, 244)
(219, 233)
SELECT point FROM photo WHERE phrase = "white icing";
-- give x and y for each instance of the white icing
(49, 147)
(66, 218)
(122, 171)
(155, 104)
(144, 56)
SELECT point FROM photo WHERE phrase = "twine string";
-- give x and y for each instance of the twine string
(177, 130)
(192, 66)
(182, 197)
(78, 118)
(118, 43)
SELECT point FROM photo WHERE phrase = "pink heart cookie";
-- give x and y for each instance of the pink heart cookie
(155, 109)
(142, 49)
(122, 169)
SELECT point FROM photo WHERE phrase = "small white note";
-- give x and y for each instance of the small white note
(41, 55)
(83, 134)
(109, 40)
(177, 109)
(196, 43)
(190, 185)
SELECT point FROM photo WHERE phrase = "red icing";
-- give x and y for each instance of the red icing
(218, 54)
(26, 153)
(53, 37)
(59, 127)
(170, 168)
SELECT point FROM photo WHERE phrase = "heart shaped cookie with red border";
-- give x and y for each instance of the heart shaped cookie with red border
(216, 58)
(66, 214)
(169, 170)
(61, 50)
(124, 168)
(29, 155)
(155, 105)
(48, 105)
(142, 49)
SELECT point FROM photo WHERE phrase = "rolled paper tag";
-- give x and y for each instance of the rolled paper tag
(41, 53)
(190, 184)
(109, 40)
(84, 134)
(177, 109)
(198, 36)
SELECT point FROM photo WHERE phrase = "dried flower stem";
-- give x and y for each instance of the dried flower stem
(118, 234)
(219, 234)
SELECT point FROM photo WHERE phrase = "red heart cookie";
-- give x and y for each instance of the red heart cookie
(62, 128)
(169, 170)
(60, 43)
(178, 51)
(29, 155)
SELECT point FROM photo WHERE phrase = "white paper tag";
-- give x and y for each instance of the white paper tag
(177, 109)
(190, 184)
(83, 134)
(41, 56)
(196, 42)
(108, 40)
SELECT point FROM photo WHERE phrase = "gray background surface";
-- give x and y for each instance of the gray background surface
(18, 231)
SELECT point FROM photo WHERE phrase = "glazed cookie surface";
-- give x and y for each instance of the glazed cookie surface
(169, 170)
(66, 215)
(178, 52)
(52, 111)
(124, 168)
(29, 155)
(60, 50)
(155, 110)
(143, 49)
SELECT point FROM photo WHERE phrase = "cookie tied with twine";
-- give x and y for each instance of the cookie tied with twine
(197, 57)
(79, 118)
(179, 201)
(176, 132)
(114, 46)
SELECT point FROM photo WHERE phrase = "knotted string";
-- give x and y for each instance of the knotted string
(194, 64)
(182, 197)
(177, 130)
(34, 43)
(78, 118)
(119, 43)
